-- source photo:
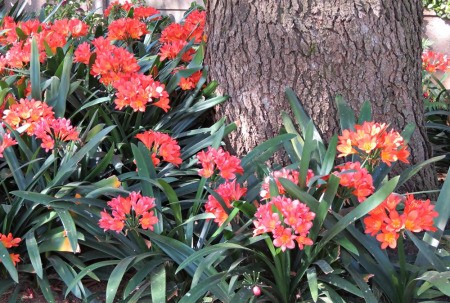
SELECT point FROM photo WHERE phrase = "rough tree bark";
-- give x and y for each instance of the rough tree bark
(363, 50)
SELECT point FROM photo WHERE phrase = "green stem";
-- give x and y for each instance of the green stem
(402, 264)
(280, 277)
(55, 163)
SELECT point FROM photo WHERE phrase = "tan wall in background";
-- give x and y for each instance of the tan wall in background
(438, 31)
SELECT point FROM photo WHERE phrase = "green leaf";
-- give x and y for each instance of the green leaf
(33, 254)
(46, 290)
(311, 276)
(297, 142)
(365, 113)
(330, 156)
(87, 270)
(196, 293)
(442, 206)
(173, 200)
(67, 168)
(198, 255)
(64, 85)
(346, 114)
(308, 148)
(141, 274)
(34, 197)
(35, 72)
(409, 172)
(67, 273)
(179, 252)
(297, 193)
(342, 283)
(158, 285)
(301, 116)
(248, 159)
(440, 280)
(116, 277)
(69, 227)
(7, 262)
(367, 293)
(428, 253)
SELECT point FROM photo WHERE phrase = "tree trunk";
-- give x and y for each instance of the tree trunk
(363, 50)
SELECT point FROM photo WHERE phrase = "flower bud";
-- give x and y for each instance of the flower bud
(256, 290)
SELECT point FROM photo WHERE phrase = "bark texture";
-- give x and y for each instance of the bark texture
(363, 50)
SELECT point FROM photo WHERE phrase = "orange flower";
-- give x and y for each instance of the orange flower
(388, 239)
(15, 258)
(373, 144)
(229, 192)
(130, 211)
(83, 53)
(289, 174)
(162, 146)
(78, 28)
(126, 28)
(7, 141)
(9, 241)
(138, 90)
(52, 131)
(191, 81)
(113, 63)
(194, 25)
(27, 113)
(116, 5)
(283, 238)
(143, 12)
(432, 62)
(355, 178)
(288, 220)
(417, 216)
(227, 165)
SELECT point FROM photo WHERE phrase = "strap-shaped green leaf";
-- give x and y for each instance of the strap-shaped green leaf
(7, 262)
(158, 284)
(35, 71)
(33, 253)
(346, 114)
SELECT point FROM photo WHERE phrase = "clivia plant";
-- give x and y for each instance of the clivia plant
(108, 175)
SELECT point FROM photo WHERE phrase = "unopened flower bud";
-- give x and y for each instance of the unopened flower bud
(256, 290)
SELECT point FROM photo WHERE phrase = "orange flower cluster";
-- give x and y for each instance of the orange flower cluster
(138, 90)
(38, 119)
(191, 81)
(386, 223)
(126, 28)
(432, 62)
(55, 130)
(162, 146)
(290, 174)
(27, 113)
(356, 179)
(118, 67)
(372, 142)
(176, 36)
(139, 12)
(288, 221)
(8, 242)
(131, 211)
(229, 192)
(112, 63)
(7, 141)
(48, 36)
(214, 160)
